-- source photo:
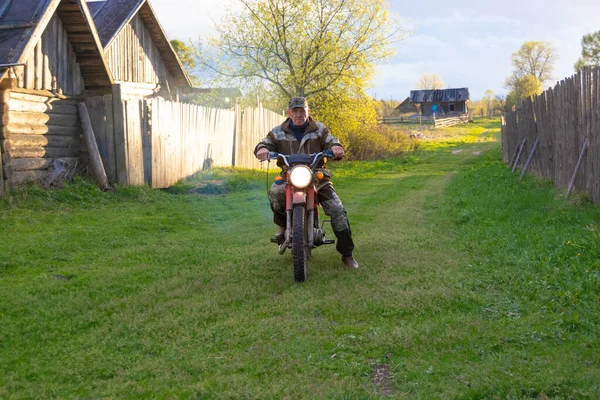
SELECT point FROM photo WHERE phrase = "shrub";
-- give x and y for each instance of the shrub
(378, 142)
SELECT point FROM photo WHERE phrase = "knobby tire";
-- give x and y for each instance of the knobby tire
(299, 244)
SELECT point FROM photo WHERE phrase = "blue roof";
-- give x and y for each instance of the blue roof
(439, 95)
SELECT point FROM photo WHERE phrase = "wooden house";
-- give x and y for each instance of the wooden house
(406, 107)
(50, 59)
(138, 52)
(441, 102)
(144, 65)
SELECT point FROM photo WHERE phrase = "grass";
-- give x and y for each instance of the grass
(472, 285)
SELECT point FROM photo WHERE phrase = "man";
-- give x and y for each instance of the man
(300, 133)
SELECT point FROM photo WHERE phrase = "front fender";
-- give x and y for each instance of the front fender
(299, 198)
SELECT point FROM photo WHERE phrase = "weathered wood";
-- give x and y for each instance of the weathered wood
(55, 107)
(41, 96)
(9, 83)
(22, 177)
(528, 162)
(6, 145)
(519, 154)
(39, 118)
(90, 139)
(581, 155)
(48, 152)
(32, 164)
(30, 129)
(44, 140)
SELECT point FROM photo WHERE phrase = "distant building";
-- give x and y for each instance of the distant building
(441, 102)
(406, 107)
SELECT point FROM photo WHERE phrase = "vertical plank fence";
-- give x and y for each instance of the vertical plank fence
(185, 138)
(565, 122)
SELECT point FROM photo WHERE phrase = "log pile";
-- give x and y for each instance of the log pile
(39, 133)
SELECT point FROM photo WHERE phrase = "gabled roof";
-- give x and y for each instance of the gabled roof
(439, 95)
(407, 106)
(23, 22)
(111, 16)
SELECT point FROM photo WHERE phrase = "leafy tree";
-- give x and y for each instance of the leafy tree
(304, 47)
(186, 54)
(325, 50)
(590, 51)
(522, 88)
(536, 59)
(430, 82)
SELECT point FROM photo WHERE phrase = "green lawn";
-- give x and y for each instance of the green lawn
(471, 285)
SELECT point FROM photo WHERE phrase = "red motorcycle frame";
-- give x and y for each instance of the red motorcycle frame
(303, 232)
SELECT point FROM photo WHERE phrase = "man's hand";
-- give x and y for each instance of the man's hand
(262, 154)
(338, 152)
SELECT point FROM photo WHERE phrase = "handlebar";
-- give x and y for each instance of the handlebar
(316, 157)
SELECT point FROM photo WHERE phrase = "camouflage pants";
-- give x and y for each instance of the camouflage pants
(332, 205)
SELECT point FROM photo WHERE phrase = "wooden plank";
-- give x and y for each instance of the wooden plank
(36, 118)
(95, 160)
(579, 161)
(31, 164)
(44, 140)
(30, 129)
(119, 121)
(55, 107)
(38, 151)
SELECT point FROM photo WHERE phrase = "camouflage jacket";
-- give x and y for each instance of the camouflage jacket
(281, 139)
(316, 138)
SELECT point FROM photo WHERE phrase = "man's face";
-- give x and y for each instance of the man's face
(298, 115)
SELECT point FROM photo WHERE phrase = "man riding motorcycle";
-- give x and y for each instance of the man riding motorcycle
(300, 133)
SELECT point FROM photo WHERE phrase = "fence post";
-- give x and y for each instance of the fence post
(581, 155)
(537, 141)
(519, 154)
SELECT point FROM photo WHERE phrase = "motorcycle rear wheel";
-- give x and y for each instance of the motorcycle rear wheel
(299, 244)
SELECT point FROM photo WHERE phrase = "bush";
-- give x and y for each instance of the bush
(379, 142)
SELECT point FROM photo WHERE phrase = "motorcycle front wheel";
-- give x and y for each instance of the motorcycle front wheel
(299, 241)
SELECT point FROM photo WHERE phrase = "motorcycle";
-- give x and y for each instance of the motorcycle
(303, 232)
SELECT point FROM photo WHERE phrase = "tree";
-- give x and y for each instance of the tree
(304, 47)
(536, 59)
(590, 51)
(186, 55)
(522, 88)
(430, 82)
(500, 103)
(488, 100)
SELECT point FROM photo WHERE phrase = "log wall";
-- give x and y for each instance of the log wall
(52, 65)
(133, 57)
(40, 136)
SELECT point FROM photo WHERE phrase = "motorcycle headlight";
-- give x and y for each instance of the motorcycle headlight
(301, 176)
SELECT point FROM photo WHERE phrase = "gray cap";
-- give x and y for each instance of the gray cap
(296, 102)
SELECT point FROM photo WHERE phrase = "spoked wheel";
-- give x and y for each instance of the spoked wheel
(299, 244)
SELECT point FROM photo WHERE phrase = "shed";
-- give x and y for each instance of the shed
(50, 59)
(441, 101)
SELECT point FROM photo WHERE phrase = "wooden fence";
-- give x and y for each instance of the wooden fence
(161, 142)
(557, 134)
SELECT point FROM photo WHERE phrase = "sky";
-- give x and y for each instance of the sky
(467, 43)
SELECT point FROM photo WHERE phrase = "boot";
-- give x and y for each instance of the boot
(280, 233)
(350, 261)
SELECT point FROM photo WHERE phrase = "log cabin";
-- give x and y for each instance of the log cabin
(51, 58)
